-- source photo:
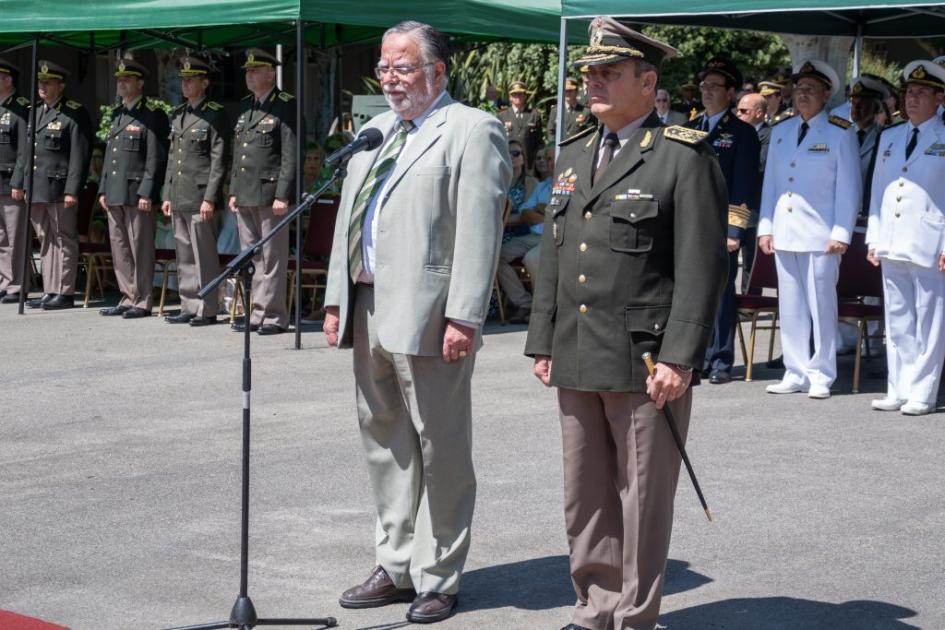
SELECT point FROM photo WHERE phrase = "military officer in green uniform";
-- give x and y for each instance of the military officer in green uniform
(193, 190)
(577, 117)
(62, 148)
(633, 260)
(135, 158)
(522, 123)
(14, 118)
(262, 185)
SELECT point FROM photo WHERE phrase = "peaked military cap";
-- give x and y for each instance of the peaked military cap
(50, 70)
(258, 58)
(767, 88)
(924, 72)
(130, 68)
(723, 66)
(820, 70)
(570, 84)
(612, 41)
(868, 87)
(940, 60)
(518, 87)
(8, 68)
(192, 67)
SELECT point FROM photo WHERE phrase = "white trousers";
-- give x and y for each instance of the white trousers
(915, 340)
(807, 299)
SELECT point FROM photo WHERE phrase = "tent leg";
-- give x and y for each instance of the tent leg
(562, 73)
(300, 161)
(24, 234)
(858, 50)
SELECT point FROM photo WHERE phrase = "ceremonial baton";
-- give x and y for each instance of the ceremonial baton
(651, 368)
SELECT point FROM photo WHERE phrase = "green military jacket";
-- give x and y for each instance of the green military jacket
(633, 263)
(524, 127)
(264, 151)
(576, 120)
(135, 154)
(195, 164)
(63, 149)
(14, 118)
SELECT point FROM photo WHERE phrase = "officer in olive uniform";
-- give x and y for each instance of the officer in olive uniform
(135, 158)
(771, 90)
(193, 189)
(262, 185)
(62, 149)
(577, 116)
(522, 123)
(632, 260)
(736, 144)
(14, 118)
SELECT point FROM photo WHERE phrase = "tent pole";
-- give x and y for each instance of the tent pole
(562, 73)
(24, 230)
(299, 172)
(858, 49)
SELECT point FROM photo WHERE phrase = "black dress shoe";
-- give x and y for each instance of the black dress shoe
(271, 329)
(377, 590)
(60, 302)
(38, 302)
(3, 293)
(720, 377)
(114, 311)
(10, 298)
(241, 327)
(180, 318)
(430, 607)
(704, 373)
(134, 313)
(203, 321)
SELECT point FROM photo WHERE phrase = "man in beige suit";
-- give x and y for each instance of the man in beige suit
(415, 250)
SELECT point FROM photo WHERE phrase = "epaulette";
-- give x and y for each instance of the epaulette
(22, 100)
(738, 216)
(151, 105)
(247, 97)
(780, 118)
(213, 105)
(180, 107)
(894, 124)
(285, 96)
(579, 134)
(73, 105)
(684, 134)
(843, 123)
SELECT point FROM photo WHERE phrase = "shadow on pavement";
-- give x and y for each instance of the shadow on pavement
(787, 613)
(545, 583)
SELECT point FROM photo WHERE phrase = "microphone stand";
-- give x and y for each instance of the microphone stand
(243, 615)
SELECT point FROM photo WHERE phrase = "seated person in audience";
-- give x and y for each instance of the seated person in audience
(314, 158)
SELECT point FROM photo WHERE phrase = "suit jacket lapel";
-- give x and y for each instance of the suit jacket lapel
(429, 132)
(584, 166)
(48, 116)
(631, 155)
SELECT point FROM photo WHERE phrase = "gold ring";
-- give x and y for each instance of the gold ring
(462, 353)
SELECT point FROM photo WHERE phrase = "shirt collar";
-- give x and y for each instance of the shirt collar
(624, 133)
(426, 114)
(133, 104)
(924, 126)
(714, 119)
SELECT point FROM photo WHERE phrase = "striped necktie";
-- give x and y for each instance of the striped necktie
(372, 185)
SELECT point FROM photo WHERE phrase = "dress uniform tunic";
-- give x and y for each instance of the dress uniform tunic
(62, 146)
(264, 169)
(523, 126)
(14, 115)
(907, 231)
(194, 175)
(811, 195)
(135, 160)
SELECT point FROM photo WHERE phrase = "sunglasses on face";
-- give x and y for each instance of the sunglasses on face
(515, 153)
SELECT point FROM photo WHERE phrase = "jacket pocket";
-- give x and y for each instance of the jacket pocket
(632, 223)
(645, 326)
(52, 139)
(131, 140)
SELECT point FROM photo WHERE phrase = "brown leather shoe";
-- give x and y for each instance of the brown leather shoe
(430, 607)
(377, 590)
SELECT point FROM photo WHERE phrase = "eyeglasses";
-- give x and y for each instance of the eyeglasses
(742, 110)
(515, 153)
(400, 71)
(662, 100)
(710, 85)
(601, 76)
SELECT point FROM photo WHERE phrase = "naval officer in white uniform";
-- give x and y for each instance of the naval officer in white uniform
(809, 202)
(906, 236)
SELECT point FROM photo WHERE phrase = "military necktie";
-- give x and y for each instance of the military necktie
(705, 124)
(800, 136)
(914, 141)
(860, 134)
(372, 185)
(611, 142)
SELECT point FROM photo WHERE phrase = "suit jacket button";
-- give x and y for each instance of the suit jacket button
(588, 215)
(583, 247)
(583, 308)
(582, 278)
(656, 326)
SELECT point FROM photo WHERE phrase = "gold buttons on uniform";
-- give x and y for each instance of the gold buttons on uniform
(583, 308)
(178, 172)
(114, 172)
(242, 169)
(588, 215)
(582, 278)
(583, 247)
(245, 144)
(901, 183)
(656, 326)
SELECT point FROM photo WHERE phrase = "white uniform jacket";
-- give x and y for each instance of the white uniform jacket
(812, 191)
(907, 208)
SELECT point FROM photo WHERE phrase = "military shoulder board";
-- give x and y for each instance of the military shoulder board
(247, 97)
(285, 96)
(151, 105)
(213, 105)
(780, 118)
(684, 134)
(738, 216)
(576, 136)
(73, 105)
(840, 122)
(22, 100)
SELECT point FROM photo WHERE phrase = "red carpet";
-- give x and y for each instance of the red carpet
(13, 621)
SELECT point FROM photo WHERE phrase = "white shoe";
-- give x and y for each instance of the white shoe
(887, 404)
(820, 393)
(783, 387)
(913, 408)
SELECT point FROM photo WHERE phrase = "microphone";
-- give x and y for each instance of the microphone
(368, 140)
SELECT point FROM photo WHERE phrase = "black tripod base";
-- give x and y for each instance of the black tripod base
(243, 617)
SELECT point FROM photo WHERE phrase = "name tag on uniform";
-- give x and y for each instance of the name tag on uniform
(937, 150)
(818, 148)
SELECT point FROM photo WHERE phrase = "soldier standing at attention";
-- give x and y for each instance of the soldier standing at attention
(14, 118)
(522, 123)
(632, 260)
(193, 190)
(135, 158)
(577, 117)
(62, 152)
(262, 185)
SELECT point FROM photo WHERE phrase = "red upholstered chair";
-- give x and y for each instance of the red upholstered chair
(316, 250)
(859, 279)
(764, 275)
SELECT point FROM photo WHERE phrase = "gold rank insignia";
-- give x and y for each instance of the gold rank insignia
(187, 64)
(285, 96)
(121, 66)
(22, 100)
(840, 122)
(250, 58)
(807, 67)
(684, 134)
(647, 139)
(918, 73)
(44, 68)
(73, 104)
(738, 216)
